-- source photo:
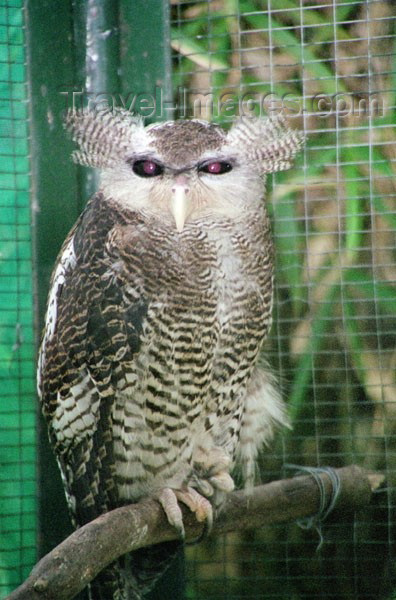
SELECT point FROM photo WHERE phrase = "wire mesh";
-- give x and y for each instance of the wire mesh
(329, 66)
(17, 390)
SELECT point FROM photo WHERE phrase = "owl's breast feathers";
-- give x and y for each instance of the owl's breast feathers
(151, 337)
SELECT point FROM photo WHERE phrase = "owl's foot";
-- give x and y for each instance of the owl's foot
(211, 478)
(168, 498)
(211, 471)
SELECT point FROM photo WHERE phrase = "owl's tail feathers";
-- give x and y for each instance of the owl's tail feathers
(132, 576)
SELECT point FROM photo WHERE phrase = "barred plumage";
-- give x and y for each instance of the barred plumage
(160, 301)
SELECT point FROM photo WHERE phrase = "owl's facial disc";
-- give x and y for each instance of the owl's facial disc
(180, 201)
(181, 190)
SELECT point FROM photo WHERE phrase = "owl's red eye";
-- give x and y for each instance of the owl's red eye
(147, 168)
(217, 167)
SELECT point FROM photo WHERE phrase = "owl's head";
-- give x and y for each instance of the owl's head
(183, 171)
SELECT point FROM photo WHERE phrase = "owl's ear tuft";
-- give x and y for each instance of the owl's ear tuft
(268, 141)
(103, 137)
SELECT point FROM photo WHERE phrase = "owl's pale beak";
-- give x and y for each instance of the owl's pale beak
(180, 201)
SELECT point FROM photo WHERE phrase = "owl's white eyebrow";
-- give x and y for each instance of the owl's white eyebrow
(174, 170)
(218, 158)
(152, 157)
(223, 158)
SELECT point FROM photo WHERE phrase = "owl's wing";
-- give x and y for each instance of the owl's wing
(92, 332)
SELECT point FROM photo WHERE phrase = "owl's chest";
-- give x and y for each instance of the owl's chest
(206, 283)
(208, 314)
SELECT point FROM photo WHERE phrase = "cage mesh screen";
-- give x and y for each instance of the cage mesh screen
(17, 390)
(330, 68)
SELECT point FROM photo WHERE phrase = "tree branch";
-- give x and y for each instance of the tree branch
(67, 569)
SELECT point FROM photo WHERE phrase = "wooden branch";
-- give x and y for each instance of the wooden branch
(67, 569)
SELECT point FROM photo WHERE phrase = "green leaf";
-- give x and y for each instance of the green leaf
(289, 234)
(353, 332)
(379, 292)
(196, 53)
(354, 212)
(320, 322)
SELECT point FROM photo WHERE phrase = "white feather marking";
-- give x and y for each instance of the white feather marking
(66, 262)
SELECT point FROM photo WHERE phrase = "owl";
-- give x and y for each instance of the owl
(149, 372)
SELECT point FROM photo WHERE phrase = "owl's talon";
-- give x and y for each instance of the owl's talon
(204, 487)
(222, 481)
(211, 471)
(201, 507)
(210, 462)
(198, 504)
(168, 500)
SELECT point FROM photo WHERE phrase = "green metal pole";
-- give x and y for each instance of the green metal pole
(96, 33)
(146, 69)
(55, 201)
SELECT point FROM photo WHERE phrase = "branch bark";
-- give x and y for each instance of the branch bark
(67, 569)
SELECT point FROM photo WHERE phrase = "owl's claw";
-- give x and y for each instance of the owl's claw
(222, 481)
(210, 475)
(212, 471)
(168, 500)
(197, 503)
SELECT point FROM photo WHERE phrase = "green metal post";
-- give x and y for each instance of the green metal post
(96, 32)
(146, 71)
(55, 200)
